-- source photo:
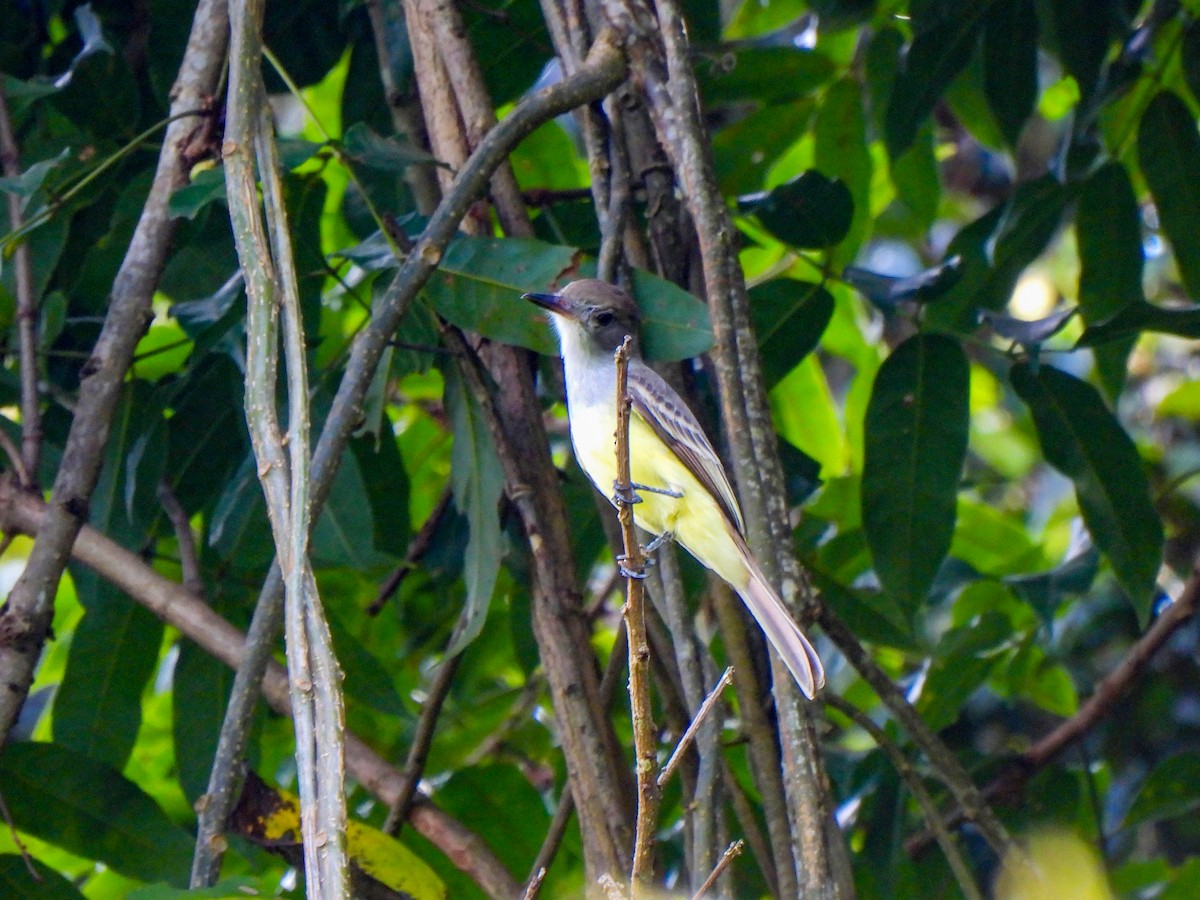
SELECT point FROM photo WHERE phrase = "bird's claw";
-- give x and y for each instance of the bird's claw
(640, 574)
(665, 538)
(624, 494)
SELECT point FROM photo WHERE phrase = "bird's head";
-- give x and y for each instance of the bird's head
(593, 314)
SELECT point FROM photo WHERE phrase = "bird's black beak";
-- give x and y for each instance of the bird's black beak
(553, 303)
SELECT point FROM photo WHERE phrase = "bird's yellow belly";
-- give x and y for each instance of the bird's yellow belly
(694, 518)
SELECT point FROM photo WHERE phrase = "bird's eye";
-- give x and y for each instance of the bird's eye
(604, 319)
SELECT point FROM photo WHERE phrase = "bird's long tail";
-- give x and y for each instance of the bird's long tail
(782, 631)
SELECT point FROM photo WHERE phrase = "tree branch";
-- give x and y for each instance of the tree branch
(633, 562)
(27, 304)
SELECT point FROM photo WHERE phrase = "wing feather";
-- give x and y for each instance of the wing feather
(668, 416)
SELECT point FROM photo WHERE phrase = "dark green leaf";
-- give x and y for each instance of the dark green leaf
(207, 437)
(200, 690)
(765, 74)
(114, 651)
(961, 663)
(872, 615)
(510, 43)
(941, 48)
(387, 487)
(810, 211)
(239, 530)
(841, 151)
(29, 182)
(918, 182)
(306, 38)
(1031, 219)
(1168, 792)
(915, 442)
(885, 291)
(92, 810)
(367, 681)
(17, 883)
(675, 324)
(770, 130)
(205, 188)
(882, 65)
(1108, 229)
(1082, 439)
(478, 481)
(1045, 591)
(1081, 32)
(1169, 153)
(1010, 64)
(1190, 57)
(789, 319)
(1182, 321)
(1028, 333)
(98, 706)
(344, 535)
(388, 154)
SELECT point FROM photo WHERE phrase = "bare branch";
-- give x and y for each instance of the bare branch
(416, 551)
(634, 563)
(710, 702)
(27, 305)
(189, 560)
(734, 851)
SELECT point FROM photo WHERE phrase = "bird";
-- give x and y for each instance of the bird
(684, 491)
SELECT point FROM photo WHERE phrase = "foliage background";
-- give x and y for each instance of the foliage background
(978, 166)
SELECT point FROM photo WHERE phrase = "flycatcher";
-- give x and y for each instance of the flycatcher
(685, 493)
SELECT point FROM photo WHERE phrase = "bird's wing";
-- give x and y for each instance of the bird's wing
(669, 417)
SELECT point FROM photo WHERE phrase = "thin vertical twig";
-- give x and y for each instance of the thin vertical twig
(27, 304)
(634, 563)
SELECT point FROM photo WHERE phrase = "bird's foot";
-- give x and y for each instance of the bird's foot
(624, 494)
(666, 492)
(665, 538)
(639, 574)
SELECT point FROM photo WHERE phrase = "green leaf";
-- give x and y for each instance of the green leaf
(811, 211)
(206, 437)
(871, 615)
(944, 41)
(765, 74)
(842, 152)
(344, 535)
(1010, 64)
(1168, 792)
(1082, 439)
(386, 484)
(1169, 154)
(1081, 34)
(477, 480)
(367, 681)
(114, 651)
(204, 188)
(1182, 321)
(885, 291)
(915, 444)
(388, 154)
(90, 809)
(1045, 591)
(789, 319)
(1108, 229)
(17, 883)
(200, 687)
(1190, 57)
(962, 661)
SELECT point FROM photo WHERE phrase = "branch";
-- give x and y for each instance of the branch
(178, 607)
(705, 708)
(732, 853)
(912, 780)
(265, 252)
(25, 618)
(27, 304)
(634, 563)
